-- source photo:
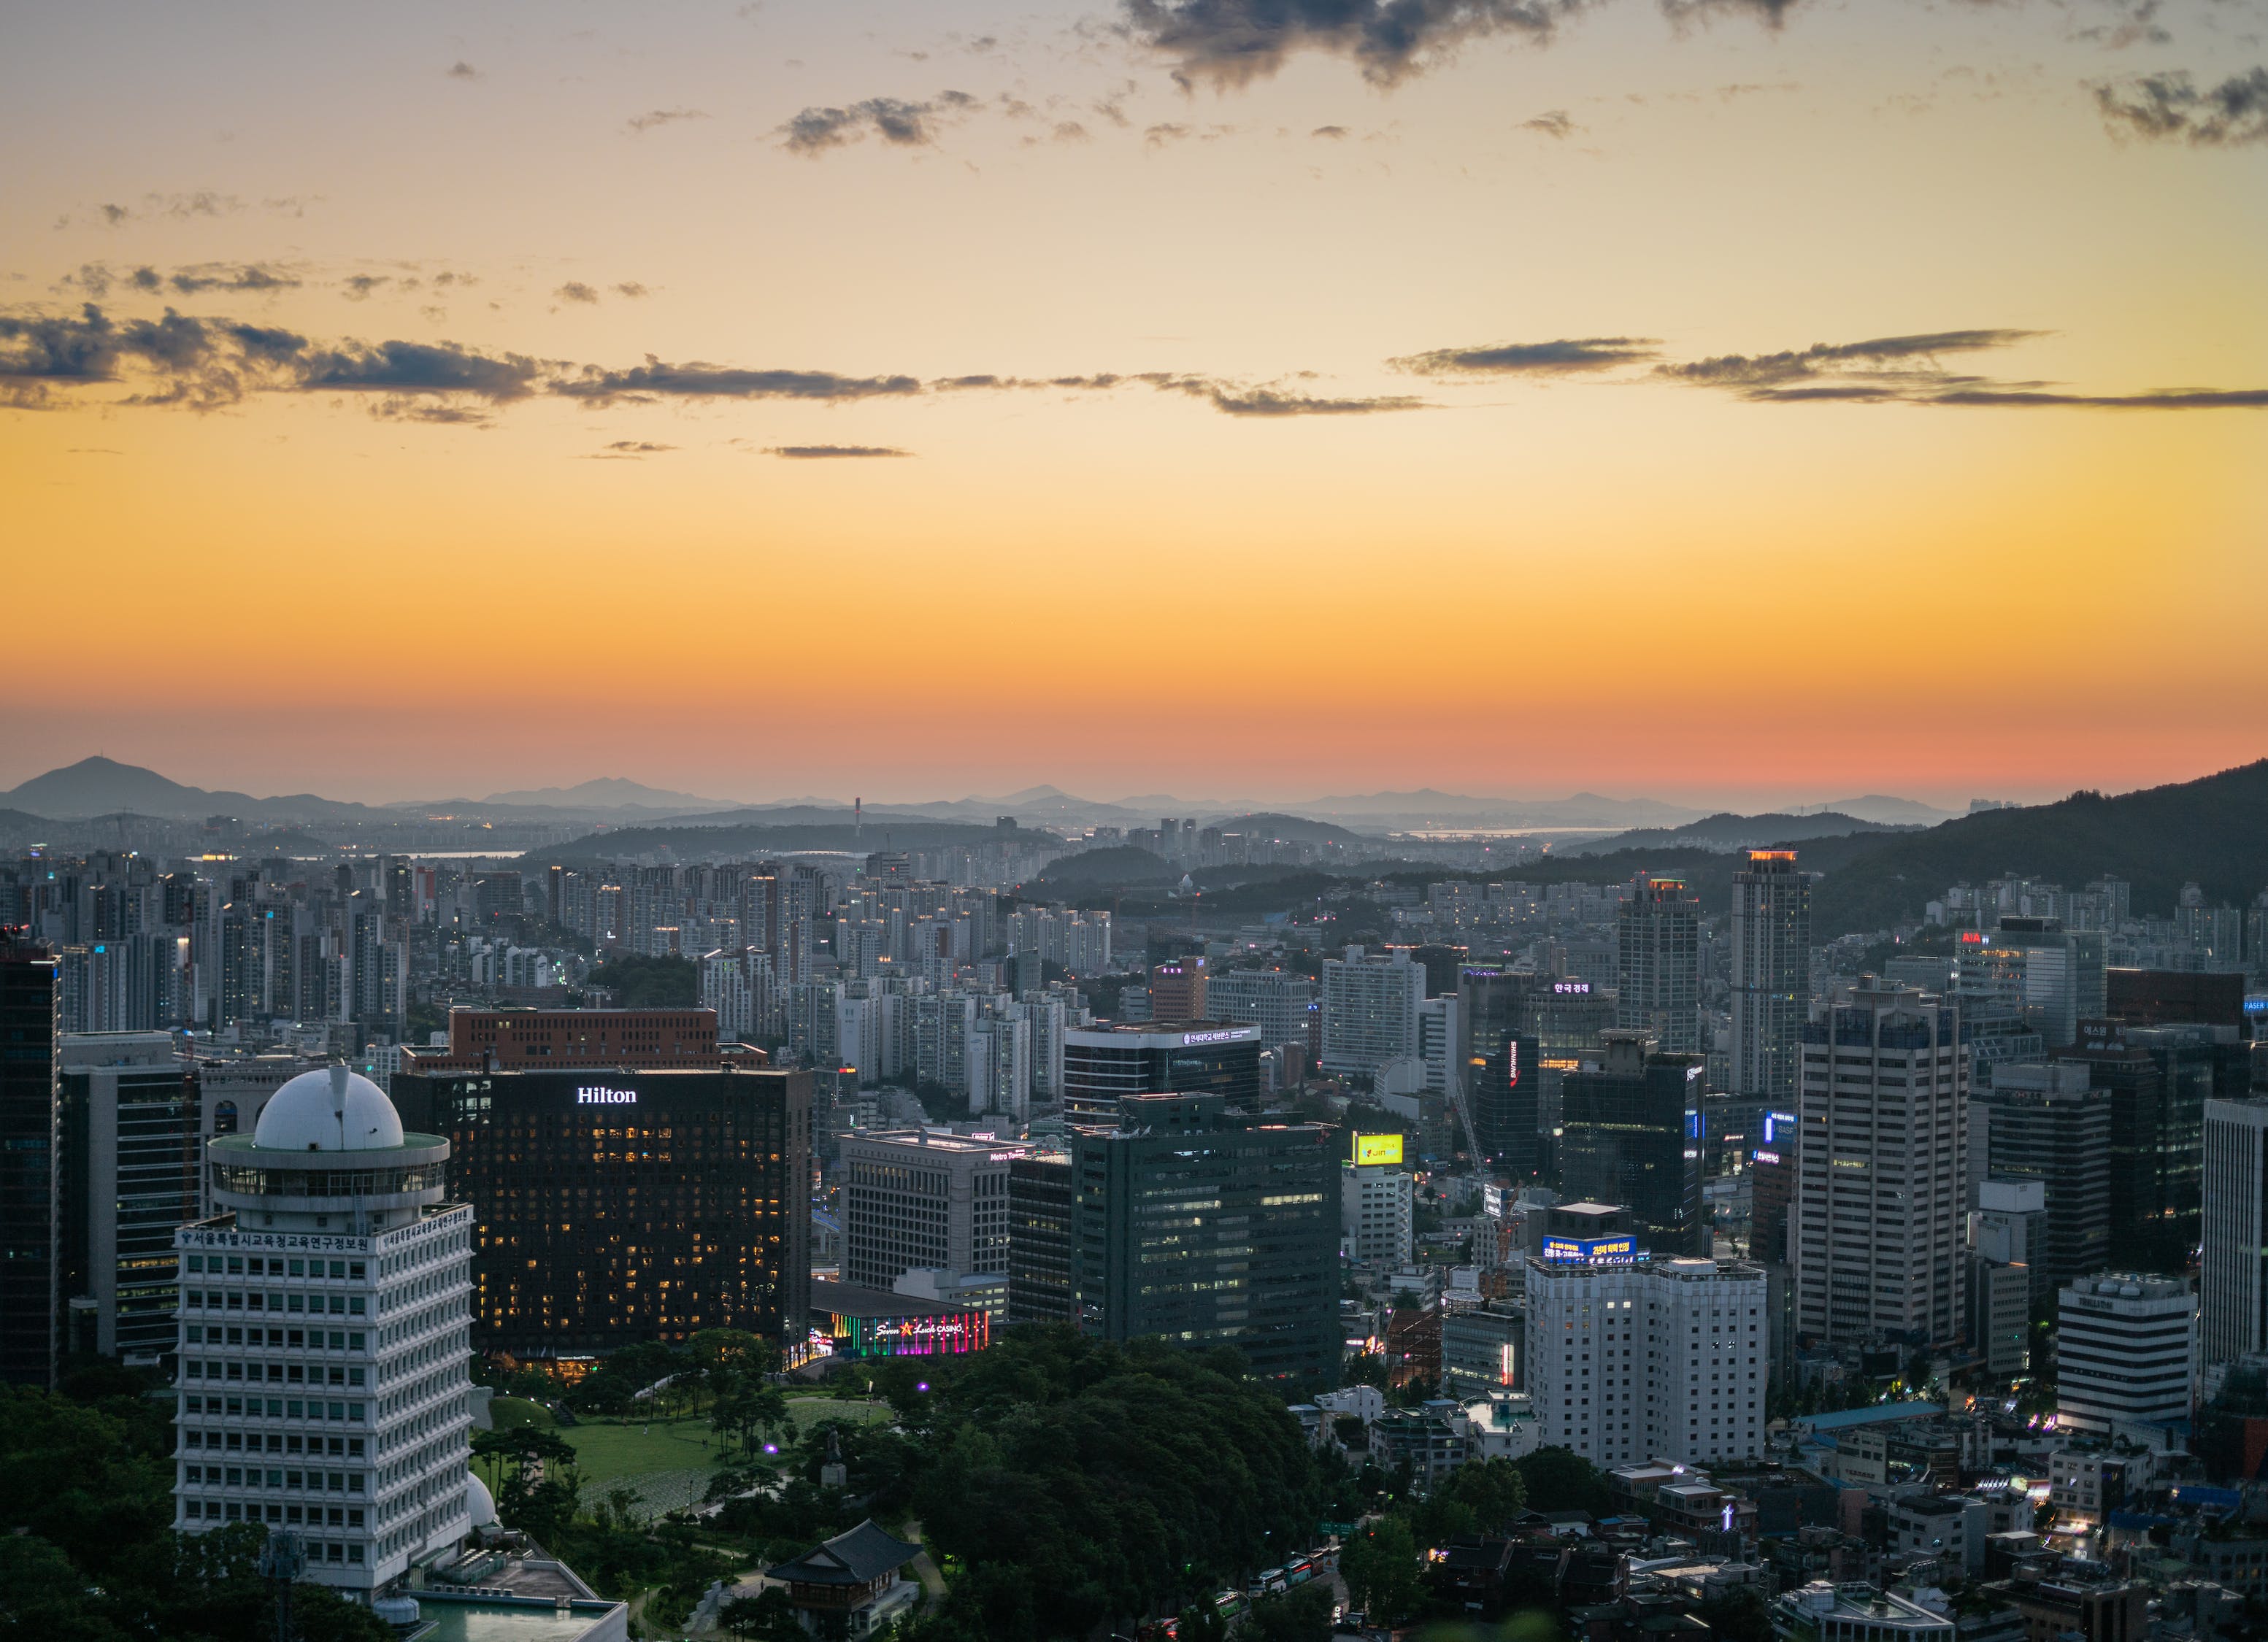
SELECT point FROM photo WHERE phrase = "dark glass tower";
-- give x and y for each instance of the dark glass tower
(27, 1152)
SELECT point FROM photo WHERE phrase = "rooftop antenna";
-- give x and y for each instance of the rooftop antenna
(857, 820)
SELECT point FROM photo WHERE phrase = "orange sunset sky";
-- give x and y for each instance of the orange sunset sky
(1722, 402)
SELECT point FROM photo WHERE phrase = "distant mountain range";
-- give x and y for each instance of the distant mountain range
(1731, 832)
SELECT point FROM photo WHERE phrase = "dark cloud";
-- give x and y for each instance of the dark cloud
(1770, 13)
(1565, 358)
(576, 290)
(1237, 399)
(1230, 42)
(462, 70)
(1332, 131)
(410, 368)
(629, 288)
(225, 276)
(2171, 108)
(829, 452)
(1552, 122)
(357, 287)
(628, 451)
(895, 120)
(664, 116)
(1890, 360)
(1169, 131)
(694, 379)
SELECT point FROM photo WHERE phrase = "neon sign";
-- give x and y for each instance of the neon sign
(599, 1095)
(1234, 1034)
(1591, 1251)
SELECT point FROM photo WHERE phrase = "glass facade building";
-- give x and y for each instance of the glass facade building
(612, 1207)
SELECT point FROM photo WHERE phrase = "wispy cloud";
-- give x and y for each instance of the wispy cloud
(831, 453)
(462, 70)
(696, 379)
(897, 121)
(1881, 365)
(1567, 357)
(641, 123)
(1552, 122)
(576, 290)
(2172, 106)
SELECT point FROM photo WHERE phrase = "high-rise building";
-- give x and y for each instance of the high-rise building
(324, 1332)
(129, 1135)
(1504, 1091)
(1658, 963)
(999, 1064)
(2232, 1255)
(1280, 1002)
(1371, 1003)
(1107, 1062)
(1630, 1134)
(923, 1199)
(1771, 1194)
(29, 1003)
(1377, 1214)
(613, 1206)
(1771, 980)
(1881, 1145)
(1208, 1229)
(2124, 1345)
(1632, 1358)
(2054, 975)
(1039, 1239)
(2044, 1123)
(1178, 989)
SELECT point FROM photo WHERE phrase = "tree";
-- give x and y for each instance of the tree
(1495, 1490)
(1560, 1479)
(1379, 1567)
(1303, 1615)
(1200, 1621)
(766, 1616)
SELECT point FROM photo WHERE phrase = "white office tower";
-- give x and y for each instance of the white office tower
(2124, 1345)
(1371, 1006)
(1377, 1214)
(1876, 1230)
(326, 1326)
(1658, 1360)
(2232, 1264)
(1279, 1001)
(2051, 974)
(1772, 975)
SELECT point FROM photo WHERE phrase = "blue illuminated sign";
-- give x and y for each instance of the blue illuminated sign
(1591, 1251)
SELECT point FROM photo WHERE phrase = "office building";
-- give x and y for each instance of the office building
(2124, 1349)
(2150, 998)
(1632, 1358)
(1105, 1063)
(2233, 1257)
(27, 1141)
(920, 1198)
(2044, 1124)
(2159, 1079)
(129, 1143)
(1504, 1091)
(1483, 1350)
(1377, 1207)
(1630, 1134)
(617, 1206)
(1280, 1002)
(324, 1337)
(550, 1040)
(1658, 963)
(1824, 1611)
(1771, 982)
(2053, 975)
(1772, 1193)
(2007, 1275)
(1039, 1239)
(1371, 1005)
(1191, 1223)
(1882, 1151)
(1177, 989)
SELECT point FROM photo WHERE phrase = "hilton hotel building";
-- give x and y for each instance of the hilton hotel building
(615, 1206)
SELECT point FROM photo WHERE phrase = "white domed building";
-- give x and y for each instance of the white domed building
(325, 1334)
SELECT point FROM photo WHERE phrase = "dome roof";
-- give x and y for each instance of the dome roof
(330, 1110)
(479, 1504)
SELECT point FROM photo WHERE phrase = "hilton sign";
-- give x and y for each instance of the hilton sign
(597, 1095)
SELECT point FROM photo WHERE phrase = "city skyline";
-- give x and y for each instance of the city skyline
(1725, 404)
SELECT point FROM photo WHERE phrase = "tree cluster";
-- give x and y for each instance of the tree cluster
(87, 1548)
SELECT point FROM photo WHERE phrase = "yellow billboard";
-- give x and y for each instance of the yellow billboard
(1377, 1149)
